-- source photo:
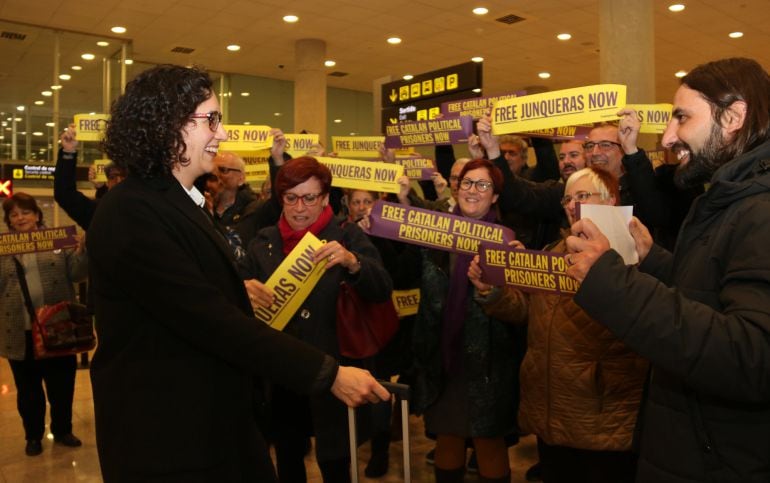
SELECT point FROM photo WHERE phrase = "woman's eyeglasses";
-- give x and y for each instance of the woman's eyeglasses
(213, 117)
(580, 197)
(481, 185)
(308, 200)
(603, 145)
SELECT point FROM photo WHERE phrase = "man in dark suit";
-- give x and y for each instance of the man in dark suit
(179, 347)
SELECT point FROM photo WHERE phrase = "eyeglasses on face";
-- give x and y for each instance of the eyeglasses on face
(225, 170)
(603, 145)
(213, 117)
(580, 197)
(310, 199)
(480, 184)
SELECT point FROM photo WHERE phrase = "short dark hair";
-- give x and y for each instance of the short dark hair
(144, 133)
(494, 172)
(24, 202)
(297, 171)
(721, 83)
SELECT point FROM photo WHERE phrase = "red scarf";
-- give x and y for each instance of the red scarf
(291, 237)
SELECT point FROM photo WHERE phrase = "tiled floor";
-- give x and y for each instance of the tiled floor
(59, 464)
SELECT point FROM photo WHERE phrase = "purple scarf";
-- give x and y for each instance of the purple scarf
(455, 309)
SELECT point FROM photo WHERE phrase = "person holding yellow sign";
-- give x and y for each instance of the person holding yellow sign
(302, 187)
(180, 351)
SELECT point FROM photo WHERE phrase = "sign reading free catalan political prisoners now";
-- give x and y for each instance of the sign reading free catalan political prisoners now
(364, 175)
(423, 133)
(434, 229)
(568, 107)
(292, 282)
(527, 270)
(417, 168)
(48, 239)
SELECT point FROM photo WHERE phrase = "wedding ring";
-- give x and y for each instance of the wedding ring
(331, 257)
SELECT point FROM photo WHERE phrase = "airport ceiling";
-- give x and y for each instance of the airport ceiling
(435, 33)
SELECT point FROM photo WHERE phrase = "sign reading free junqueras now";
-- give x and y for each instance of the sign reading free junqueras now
(567, 107)
(91, 127)
(364, 175)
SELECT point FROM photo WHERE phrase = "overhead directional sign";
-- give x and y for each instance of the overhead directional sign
(462, 77)
(6, 188)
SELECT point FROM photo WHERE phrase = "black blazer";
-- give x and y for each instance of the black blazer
(179, 347)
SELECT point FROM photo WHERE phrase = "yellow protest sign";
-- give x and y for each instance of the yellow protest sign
(91, 127)
(292, 282)
(299, 144)
(242, 137)
(99, 164)
(406, 301)
(364, 175)
(654, 117)
(567, 107)
(357, 146)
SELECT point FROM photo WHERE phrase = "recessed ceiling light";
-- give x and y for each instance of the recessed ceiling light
(394, 40)
(330, 63)
(481, 11)
(544, 75)
(677, 7)
(49, 124)
(118, 29)
(129, 61)
(88, 56)
(735, 35)
(477, 90)
(233, 47)
(76, 67)
(65, 76)
(92, 113)
(39, 103)
(56, 87)
(20, 108)
(564, 36)
(477, 59)
(47, 93)
(245, 94)
(247, 123)
(337, 121)
(37, 133)
(102, 43)
(277, 114)
(408, 77)
(680, 74)
(290, 18)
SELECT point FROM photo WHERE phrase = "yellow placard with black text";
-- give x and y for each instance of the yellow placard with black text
(654, 117)
(91, 127)
(242, 137)
(292, 282)
(364, 175)
(357, 146)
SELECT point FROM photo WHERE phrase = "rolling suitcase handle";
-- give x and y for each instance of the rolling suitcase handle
(402, 391)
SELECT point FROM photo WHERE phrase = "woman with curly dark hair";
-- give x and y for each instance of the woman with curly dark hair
(179, 347)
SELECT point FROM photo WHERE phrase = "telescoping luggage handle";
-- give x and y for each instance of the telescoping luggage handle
(402, 391)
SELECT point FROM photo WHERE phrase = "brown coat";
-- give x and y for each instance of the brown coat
(580, 386)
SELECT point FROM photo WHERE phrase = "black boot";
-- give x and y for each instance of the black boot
(378, 463)
(501, 479)
(335, 471)
(449, 476)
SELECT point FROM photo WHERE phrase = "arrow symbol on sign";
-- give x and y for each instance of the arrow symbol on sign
(5, 188)
(393, 95)
(393, 121)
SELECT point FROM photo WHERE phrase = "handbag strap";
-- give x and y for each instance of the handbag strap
(25, 290)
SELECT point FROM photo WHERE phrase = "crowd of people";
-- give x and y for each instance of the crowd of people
(656, 372)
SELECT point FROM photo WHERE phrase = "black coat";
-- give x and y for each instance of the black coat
(179, 347)
(702, 318)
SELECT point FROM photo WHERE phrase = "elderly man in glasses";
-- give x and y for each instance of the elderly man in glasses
(235, 194)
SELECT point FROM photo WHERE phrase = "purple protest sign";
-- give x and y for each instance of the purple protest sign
(561, 133)
(17, 243)
(449, 130)
(527, 270)
(434, 229)
(475, 107)
(417, 168)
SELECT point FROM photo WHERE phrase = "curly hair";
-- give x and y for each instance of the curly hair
(24, 202)
(144, 133)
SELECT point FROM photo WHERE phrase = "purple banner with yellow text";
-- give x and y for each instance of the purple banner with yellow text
(47, 239)
(434, 229)
(475, 106)
(448, 130)
(527, 270)
(417, 168)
